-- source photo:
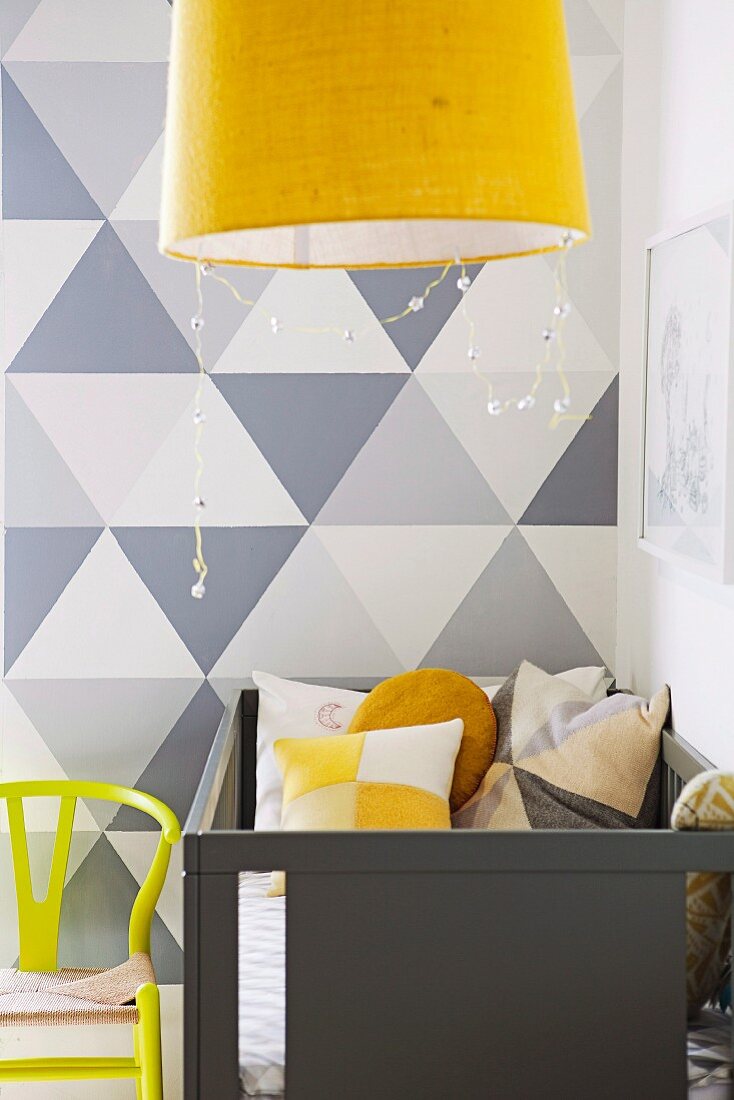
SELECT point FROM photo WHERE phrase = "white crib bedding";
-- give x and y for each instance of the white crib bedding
(262, 1008)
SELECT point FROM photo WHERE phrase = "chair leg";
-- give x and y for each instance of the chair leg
(136, 1052)
(148, 1043)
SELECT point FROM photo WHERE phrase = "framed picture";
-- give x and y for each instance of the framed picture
(687, 507)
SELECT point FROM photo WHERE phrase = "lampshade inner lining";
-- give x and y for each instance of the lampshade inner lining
(416, 242)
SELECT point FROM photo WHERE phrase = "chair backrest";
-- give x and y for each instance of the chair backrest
(38, 921)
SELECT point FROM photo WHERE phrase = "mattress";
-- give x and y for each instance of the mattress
(262, 1008)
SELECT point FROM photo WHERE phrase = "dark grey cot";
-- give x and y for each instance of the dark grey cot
(457, 965)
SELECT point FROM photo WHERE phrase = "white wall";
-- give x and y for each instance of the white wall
(677, 160)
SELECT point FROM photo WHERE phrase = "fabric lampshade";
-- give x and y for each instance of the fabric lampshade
(369, 133)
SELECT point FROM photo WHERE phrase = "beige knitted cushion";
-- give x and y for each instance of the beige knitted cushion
(30, 998)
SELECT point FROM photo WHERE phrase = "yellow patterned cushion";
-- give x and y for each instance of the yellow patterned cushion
(379, 779)
(437, 695)
(707, 802)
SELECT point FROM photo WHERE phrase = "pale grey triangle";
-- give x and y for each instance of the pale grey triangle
(513, 613)
(413, 470)
(587, 35)
(40, 489)
(689, 544)
(14, 14)
(581, 489)
(660, 512)
(105, 320)
(175, 286)
(720, 230)
(594, 267)
(105, 117)
(95, 913)
(39, 563)
(37, 180)
(105, 730)
(388, 291)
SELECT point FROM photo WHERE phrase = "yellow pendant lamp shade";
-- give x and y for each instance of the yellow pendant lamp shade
(368, 133)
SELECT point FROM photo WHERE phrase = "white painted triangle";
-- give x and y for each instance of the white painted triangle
(511, 303)
(312, 299)
(106, 427)
(141, 201)
(25, 755)
(515, 452)
(95, 30)
(582, 563)
(400, 576)
(590, 74)
(136, 850)
(39, 257)
(239, 486)
(105, 624)
(309, 622)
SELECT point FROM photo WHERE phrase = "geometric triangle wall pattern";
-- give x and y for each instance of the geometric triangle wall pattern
(364, 513)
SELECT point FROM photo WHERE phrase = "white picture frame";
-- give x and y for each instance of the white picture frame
(686, 513)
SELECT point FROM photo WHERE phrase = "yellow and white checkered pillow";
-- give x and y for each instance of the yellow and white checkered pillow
(379, 779)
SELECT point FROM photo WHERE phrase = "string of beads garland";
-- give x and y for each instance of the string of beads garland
(552, 336)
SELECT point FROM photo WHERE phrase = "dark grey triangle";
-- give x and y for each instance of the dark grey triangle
(511, 614)
(551, 807)
(37, 180)
(310, 426)
(96, 908)
(581, 489)
(105, 320)
(39, 563)
(387, 292)
(242, 563)
(174, 772)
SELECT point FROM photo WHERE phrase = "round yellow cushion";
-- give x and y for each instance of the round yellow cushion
(436, 695)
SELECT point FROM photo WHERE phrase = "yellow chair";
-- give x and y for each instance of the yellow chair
(28, 999)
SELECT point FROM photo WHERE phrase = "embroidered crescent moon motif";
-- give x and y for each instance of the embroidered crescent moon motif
(325, 716)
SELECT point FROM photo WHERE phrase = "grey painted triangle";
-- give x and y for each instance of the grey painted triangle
(310, 426)
(174, 772)
(37, 180)
(174, 285)
(513, 613)
(581, 489)
(720, 230)
(413, 470)
(40, 489)
(13, 17)
(388, 291)
(105, 320)
(104, 729)
(587, 35)
(95, 913)
(242, 560)
(105, 117)
(39, 563)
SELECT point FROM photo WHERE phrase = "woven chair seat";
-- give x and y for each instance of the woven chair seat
(30, 998)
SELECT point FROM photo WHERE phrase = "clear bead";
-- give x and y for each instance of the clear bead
(463, 283)
(416, 303)
(199, 416)
(275, 325)
(562, 404)
(494, 407)
(526, 402)
(197, 323)
(199, 502)
(474, 352)
(198, 591)
(548, 334)
(205, 268)
(562, 310)
(348, 336)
